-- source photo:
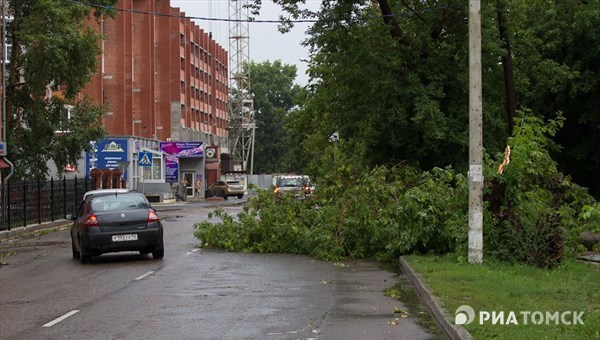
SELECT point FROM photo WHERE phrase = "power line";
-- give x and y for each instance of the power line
(295, 21)
(134, 11)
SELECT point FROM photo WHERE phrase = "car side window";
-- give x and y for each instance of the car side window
(82, 209)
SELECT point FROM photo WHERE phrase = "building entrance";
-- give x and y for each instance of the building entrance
(189, 178)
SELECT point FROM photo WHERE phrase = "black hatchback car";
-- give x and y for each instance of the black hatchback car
(113, 222)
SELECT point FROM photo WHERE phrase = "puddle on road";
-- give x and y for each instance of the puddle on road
(170, 219)
(405, 292)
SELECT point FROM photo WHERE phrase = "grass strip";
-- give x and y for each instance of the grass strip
(495, 287)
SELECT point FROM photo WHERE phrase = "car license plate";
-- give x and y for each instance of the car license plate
(126, 237)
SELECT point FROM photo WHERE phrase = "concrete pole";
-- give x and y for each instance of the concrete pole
(475, 136)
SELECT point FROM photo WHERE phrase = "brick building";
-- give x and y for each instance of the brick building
(164, 79)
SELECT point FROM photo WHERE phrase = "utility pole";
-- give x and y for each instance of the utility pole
(475, 136)
(3, 147)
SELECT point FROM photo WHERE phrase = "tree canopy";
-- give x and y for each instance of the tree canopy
(392, 78)
(275, 95)
(53, 56)
(394, 99)
(557, 69)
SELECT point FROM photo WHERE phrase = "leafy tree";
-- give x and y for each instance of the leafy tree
(53, 56)
(396, 90)
(392, 76)
(557, 69)
(533, 209)
(275, 96)
(397, 99)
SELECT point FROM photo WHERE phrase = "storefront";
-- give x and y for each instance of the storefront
(184, 164)
(160, 170)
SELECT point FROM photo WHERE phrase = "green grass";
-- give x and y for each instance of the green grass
(494, 286)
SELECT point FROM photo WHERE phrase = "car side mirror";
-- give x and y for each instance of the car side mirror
(71, 217)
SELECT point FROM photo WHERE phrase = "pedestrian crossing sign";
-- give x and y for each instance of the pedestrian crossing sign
(144, 158)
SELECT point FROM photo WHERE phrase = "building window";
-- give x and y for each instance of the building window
(154, 173)
(65, 119)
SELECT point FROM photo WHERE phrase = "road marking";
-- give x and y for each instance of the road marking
(143, 276)
(191, 251)
(57, 320)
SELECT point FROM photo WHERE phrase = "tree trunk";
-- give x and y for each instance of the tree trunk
(389, 19)
(509, 83)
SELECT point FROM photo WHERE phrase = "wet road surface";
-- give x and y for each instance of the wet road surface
(196, 293)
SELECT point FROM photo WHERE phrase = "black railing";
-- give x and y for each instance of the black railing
(27, 203)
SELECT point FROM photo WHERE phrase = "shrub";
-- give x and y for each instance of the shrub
(533, 209)
(381, 214)
(532, 213)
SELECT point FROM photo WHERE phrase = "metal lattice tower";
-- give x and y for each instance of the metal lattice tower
(241, 105)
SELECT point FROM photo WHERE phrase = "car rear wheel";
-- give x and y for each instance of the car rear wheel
(159, 253)
(83, 258)
(240, 196)
(75, 252)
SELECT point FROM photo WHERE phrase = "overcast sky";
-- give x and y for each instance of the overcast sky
(266, 42)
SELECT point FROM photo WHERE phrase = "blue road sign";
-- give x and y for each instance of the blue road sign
(144, 158)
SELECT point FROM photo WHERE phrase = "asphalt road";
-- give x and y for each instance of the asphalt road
(196, 293)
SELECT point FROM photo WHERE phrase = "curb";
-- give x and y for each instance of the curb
(16, 232)
(454, 332)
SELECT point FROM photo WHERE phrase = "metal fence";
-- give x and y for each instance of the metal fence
(261, 181)
(27, 203)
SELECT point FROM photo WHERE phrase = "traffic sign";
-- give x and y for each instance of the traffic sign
(144, 158)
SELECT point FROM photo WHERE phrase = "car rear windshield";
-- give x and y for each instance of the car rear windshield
(291, 182)
(119, 202)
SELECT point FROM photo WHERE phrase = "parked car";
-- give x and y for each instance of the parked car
(226, 189)
(115, 221)
(296, 185)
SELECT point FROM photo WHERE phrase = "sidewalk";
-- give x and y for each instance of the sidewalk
(20, 231)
